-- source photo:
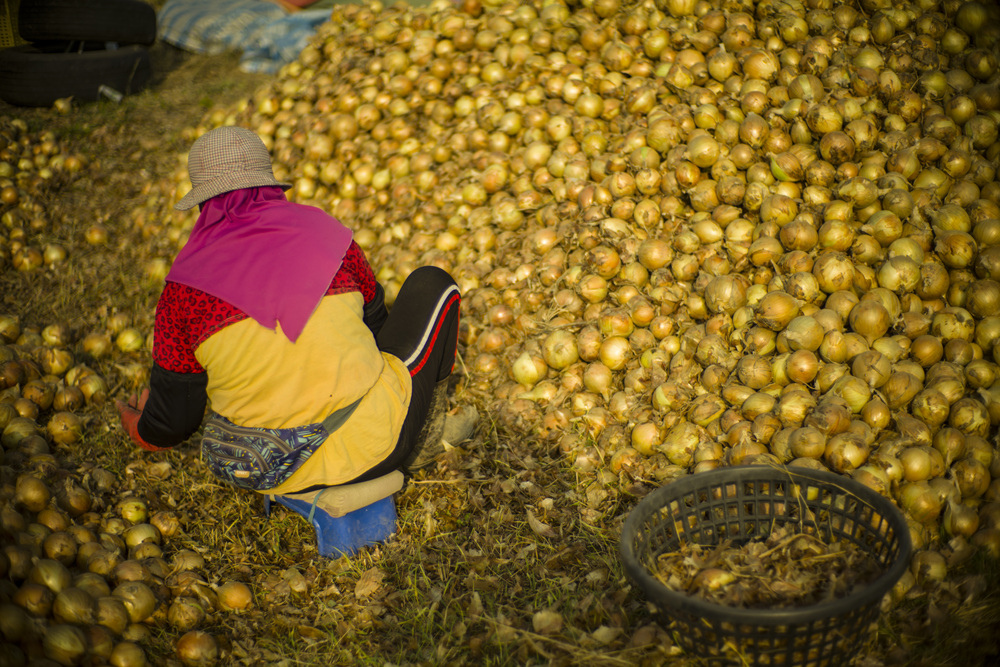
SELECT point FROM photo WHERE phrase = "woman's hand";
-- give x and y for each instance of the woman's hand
(130, 413)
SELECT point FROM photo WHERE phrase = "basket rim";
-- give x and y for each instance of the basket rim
(660, 594)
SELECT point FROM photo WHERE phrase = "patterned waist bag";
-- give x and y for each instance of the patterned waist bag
(261, 458)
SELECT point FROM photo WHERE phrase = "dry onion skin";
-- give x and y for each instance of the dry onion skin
(789, 568)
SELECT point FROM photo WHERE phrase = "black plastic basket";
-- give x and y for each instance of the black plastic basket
(742, 504)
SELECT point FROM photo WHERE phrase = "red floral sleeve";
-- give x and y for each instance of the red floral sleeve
(186, 317)
(355, 274)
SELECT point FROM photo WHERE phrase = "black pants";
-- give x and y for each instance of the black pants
(422, 330)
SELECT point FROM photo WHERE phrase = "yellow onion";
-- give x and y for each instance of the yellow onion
(615, 351)
(197, 648)
(854, 391)
(65, 644)
(876, 414)
(953, 322)
(920, 463)
(804, 333)
(970, 416)
(74, 605)
(725, 294)
(874, 477)
(679, 443)
(807, 442)
(705, 409)
(971, 476)
(185, 613)
(127, 654)
(138, 598)
(845, 452)
(872, 367)
(919, 501)
(112, 613)
(959, 520)
(950, 442)
(757, 404)
(50, 573)
(528, 369)
(776, 310)
(928, 566)
(235, 596)
(870, 319)
(987, 539)
(559, 349)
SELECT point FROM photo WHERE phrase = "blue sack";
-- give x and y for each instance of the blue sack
(268, 35)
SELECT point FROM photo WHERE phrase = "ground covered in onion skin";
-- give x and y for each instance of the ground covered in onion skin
(507, 551)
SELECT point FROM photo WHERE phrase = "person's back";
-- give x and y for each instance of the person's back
(273, 316)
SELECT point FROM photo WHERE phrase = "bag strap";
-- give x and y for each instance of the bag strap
(340, 416)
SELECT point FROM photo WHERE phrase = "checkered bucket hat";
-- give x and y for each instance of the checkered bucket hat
(226, 159)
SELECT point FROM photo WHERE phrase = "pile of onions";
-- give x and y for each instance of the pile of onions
(32, 165)
(80, 586)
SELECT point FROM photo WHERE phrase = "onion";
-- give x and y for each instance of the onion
(65, 428)
(854, 391)
(804, 333)
(65, 644)
(74, 605)
(138, 598)
(185, 613)
(950, 443)
(60, 546)
(928, 566)
(919, 501)
(874, 477)
(187, 559)
(112, 613)
(235, 596)
(528, 369)
(725, 294)
(953, 322)
(870, 319)
(970, 416)
(127, 654)
(959, 520)
(35, 599)
(94, 388)
(679, 443)
(757, 404)
(972, 477)
(31, 492)
(845, 452)
(793, 408)
(807, 442)
(931, 407)
(646, 438)
(198, 649)
(776, 310)
(615, 352)
(560, 349)
(50, 573)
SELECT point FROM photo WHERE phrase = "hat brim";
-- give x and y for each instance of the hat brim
(227, 183)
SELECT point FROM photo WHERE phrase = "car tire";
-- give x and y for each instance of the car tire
(120, 21)
(36, 76)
